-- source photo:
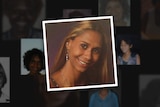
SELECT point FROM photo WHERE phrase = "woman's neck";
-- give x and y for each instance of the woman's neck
(69, 75)
(127, 55)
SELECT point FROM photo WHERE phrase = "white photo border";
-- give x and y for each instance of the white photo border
(44, 22)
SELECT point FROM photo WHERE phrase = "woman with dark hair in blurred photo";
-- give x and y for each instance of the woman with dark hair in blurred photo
(34, 81)
(34, 61)
(127, 56)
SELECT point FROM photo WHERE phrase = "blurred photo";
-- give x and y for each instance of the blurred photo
(128, 49)
(104, 97)
(150, 19)
(119, 9)
(33, 72)
(22, 19)
(28, 55)
(149, 90)
(4, 80)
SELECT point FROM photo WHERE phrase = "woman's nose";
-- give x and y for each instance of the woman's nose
(88, 55)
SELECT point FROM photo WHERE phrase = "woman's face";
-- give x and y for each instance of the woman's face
(115, 9)
(35, 65)
(84, 50)
(125, 47)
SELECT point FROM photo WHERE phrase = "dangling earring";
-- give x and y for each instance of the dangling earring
(67, 56)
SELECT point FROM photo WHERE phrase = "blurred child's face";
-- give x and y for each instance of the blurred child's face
(124, 47)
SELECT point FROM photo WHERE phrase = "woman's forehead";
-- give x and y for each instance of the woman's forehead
(91, 37)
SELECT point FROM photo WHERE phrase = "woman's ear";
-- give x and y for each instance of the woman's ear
(68, 44)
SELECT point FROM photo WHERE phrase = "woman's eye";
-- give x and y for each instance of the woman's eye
(84, 46)
(96, 50)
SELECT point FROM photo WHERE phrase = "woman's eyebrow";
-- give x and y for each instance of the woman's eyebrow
(84, 42)
(89, 44)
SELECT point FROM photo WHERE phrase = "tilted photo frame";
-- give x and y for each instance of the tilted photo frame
(80, 53)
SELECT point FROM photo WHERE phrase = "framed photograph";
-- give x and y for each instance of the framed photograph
(119, 9)
(80, 53)
(128, 43)
(26, 46)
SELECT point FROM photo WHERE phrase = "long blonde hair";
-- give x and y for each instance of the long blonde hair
(100, 69)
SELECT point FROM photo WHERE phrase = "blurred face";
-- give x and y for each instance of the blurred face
(125, 47)
(35, 65)
(84, 50)
(21, 16)
(115, 9)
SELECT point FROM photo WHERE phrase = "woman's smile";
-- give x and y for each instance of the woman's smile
(83, 63)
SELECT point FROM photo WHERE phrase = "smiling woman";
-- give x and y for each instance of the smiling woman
(84, 56)
(34, 61)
